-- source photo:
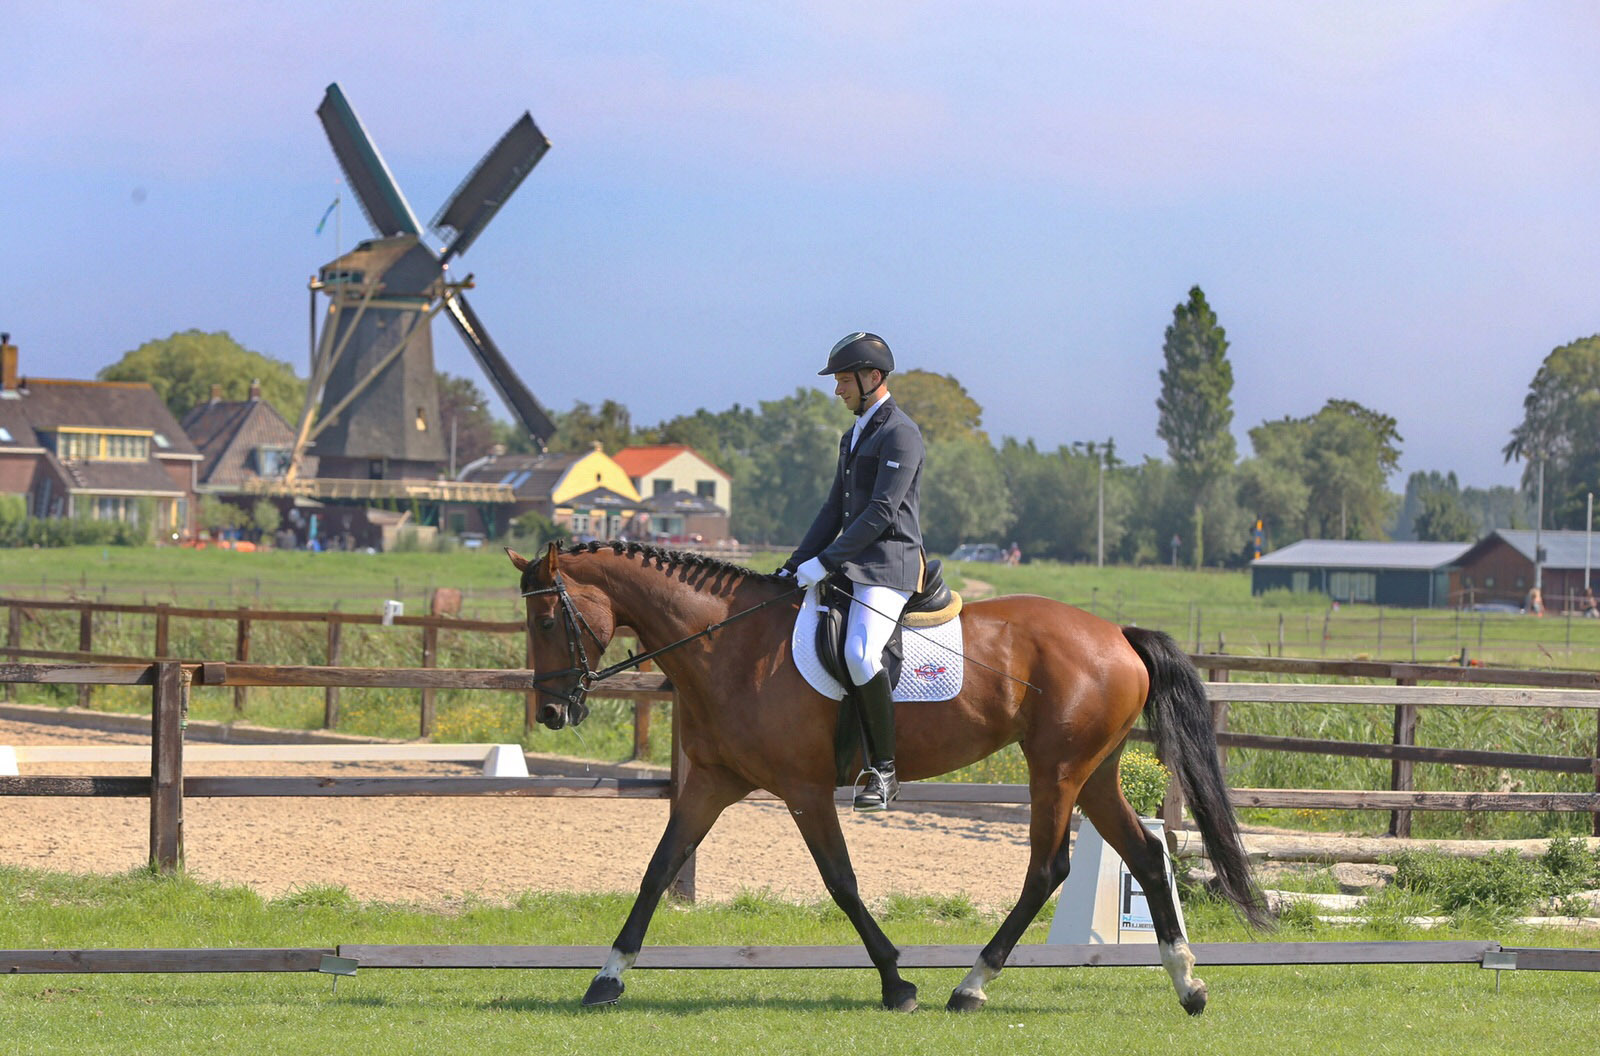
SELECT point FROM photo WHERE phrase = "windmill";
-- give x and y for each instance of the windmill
(372, 405)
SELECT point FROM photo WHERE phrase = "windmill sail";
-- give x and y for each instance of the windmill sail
(489, 184)
(498, 369)
(364, 168)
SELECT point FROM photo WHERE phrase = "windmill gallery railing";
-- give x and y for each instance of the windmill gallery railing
(170, 682)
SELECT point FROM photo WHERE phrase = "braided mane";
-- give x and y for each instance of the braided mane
(666, 559)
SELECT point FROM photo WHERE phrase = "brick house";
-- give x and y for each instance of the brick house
(98, 449)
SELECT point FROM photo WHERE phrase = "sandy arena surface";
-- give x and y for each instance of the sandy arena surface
(437, 850)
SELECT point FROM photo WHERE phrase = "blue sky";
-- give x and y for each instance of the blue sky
(1395, 203)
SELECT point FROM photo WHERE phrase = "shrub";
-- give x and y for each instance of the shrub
(1144, 781)
(1499, 881)
(1568, 866)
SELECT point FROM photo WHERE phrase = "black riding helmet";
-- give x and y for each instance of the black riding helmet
(856, 353)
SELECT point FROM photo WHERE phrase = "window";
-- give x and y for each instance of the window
(1300, 582)
(1353, 586)
(660, 486)
(706, 489)
(5, 434)
(272, 461)
(120, 447)
(458, 521)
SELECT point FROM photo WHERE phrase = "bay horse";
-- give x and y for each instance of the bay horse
(1064, 684)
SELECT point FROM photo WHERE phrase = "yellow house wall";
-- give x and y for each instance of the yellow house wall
(594, 470)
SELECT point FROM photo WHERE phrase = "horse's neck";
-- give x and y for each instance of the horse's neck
(659, 608)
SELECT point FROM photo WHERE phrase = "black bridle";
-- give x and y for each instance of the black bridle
(578, 657)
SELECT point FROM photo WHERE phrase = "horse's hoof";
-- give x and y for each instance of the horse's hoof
(901, 999)
(964, 1002)
(1195, 1002)
(605, 990)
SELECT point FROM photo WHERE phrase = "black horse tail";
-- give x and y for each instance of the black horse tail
(1179, 715)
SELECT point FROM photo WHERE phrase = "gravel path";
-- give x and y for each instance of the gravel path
(441, 850)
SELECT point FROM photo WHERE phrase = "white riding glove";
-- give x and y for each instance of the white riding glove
(811, 572)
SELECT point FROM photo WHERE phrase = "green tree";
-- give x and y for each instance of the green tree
(1342, 456)
(264, 517)
(794, 453)
(182, 368)
(1196, 405)
(464, 416)
(964, 495)
(579, 429)
(1561, 427)
(940, 406)
(1443, 519)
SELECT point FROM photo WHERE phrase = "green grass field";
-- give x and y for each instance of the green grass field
(1191, 605)
(1326, 1010)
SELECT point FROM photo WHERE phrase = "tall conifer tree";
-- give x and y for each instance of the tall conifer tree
(1196, 404)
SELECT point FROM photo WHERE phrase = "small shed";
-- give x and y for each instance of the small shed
(1499, 568)
(1408, 574)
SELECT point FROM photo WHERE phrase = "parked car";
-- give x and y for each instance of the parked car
(978, 552)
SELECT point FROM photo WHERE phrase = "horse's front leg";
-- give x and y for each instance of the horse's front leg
(706, 792)
(818, 820)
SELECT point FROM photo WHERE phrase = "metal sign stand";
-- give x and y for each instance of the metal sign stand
(1101, 902)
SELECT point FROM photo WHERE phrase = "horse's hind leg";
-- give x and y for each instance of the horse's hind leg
(1052, 798)
(704, 795)
(1104, 805)
(818, 821)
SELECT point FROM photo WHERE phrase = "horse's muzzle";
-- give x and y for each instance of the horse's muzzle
(559, 714)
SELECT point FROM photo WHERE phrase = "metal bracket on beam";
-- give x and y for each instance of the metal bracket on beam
(337, 966)
(1499, 960)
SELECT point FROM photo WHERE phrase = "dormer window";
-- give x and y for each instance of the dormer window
(120, 445)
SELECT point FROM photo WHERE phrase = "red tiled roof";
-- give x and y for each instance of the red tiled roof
(637, 461)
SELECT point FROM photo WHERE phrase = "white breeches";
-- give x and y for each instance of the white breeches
(869, 631)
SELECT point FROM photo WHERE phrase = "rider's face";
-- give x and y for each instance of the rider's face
(848, 389)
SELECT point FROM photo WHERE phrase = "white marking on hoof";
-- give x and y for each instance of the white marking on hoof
(1179, 963)
(980, 976)
(617, 963)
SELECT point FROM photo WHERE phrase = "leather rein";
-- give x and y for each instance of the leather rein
(578, 656)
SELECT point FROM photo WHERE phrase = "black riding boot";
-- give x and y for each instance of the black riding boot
(876, 702)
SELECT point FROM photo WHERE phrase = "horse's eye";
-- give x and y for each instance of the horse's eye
(547, 623)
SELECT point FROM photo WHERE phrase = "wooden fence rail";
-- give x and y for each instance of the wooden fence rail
(170, 683)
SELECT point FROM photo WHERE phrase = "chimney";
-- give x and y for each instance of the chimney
(216, 392)
(255, 389)
(8, 364)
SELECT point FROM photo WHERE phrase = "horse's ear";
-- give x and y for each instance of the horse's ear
(550, 559)
(517, 559)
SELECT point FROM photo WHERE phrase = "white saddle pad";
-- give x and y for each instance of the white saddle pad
(932, 669)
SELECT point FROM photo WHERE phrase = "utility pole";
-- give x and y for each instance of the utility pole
(1538, 533)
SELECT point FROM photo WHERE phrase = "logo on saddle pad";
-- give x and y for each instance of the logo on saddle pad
(928, 672)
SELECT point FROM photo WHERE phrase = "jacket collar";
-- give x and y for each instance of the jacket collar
(879, 416)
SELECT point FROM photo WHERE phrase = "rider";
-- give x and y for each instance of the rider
(868, 531)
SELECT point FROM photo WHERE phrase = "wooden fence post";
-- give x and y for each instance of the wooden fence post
(13, 641)
(85, 645)
(169, 703)
(1280, 634)
(163, 633)
(241, 653)
(1219, 714)
(530, 699)
(683, 883)
(1405, 733)
(1597, 767)
(430, 658)
(641, 719)
(330, 694)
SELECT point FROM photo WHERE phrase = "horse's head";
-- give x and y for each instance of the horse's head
(570, 623)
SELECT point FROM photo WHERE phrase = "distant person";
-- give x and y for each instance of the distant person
(1590, 608)
(1535, 604)
(1014, 555)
